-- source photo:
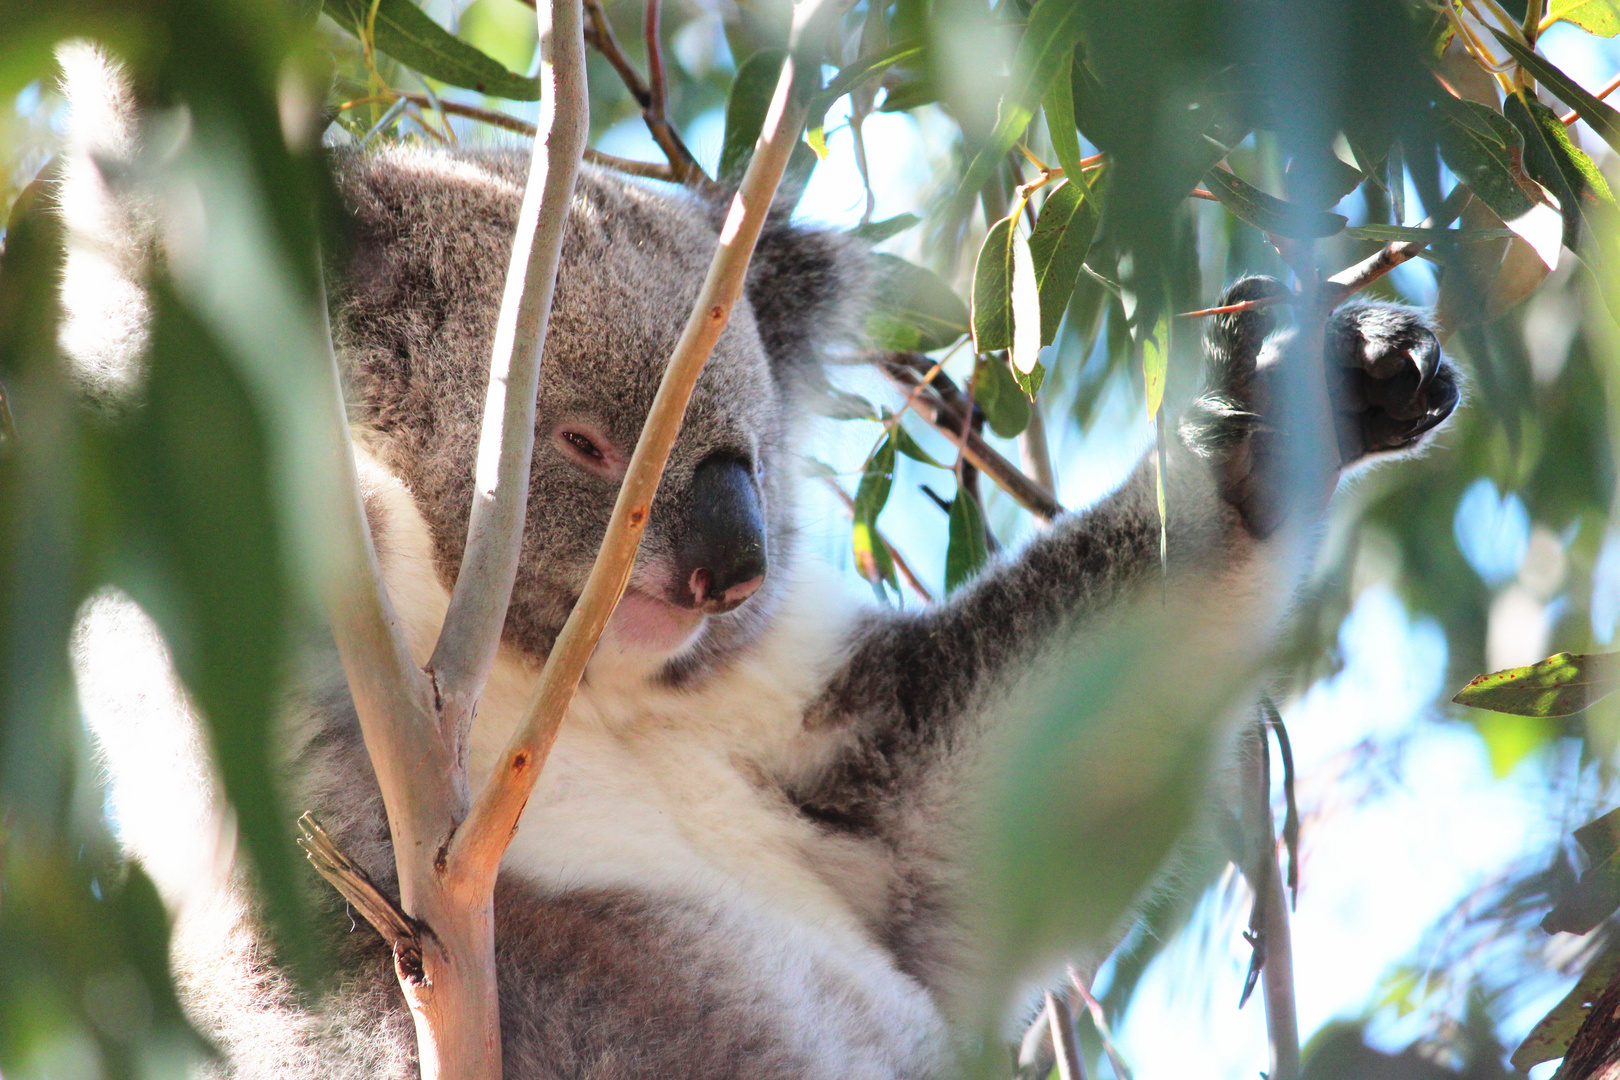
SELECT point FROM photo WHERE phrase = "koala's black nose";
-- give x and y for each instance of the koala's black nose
(720, 554)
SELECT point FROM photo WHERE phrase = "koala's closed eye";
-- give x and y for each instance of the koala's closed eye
(588, 448)
(583, 445)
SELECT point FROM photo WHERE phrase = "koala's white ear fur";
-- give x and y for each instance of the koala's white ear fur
(108, 232)
(808, 289)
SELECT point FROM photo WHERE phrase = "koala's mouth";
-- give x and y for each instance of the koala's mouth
(644, 622)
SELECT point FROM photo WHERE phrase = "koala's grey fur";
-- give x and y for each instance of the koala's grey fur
(739, 861)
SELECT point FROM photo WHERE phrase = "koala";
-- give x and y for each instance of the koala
(742, 859)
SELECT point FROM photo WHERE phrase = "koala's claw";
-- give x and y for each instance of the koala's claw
(1394, 384)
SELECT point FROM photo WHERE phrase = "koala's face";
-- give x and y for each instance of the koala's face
(415, 319)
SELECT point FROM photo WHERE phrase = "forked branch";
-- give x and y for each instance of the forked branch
(476, 850)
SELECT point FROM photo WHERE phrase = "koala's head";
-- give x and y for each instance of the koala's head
(415, 322)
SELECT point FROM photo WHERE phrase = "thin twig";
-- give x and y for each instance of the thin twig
(1285, 749)
(1033, 450)
(1232, 309)
(1063, 1041)
(1099, 1020)
(934, 405)
(894, 553)
(477, 847)
(682, 163)
(1352, 279)
(1268, 933)
(655, 58)
(351, 880)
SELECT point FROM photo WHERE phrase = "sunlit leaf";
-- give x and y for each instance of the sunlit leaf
(1058, 247)
(408, 34)
(1155, 361)
(871, 556)
(1401, 234)
(1048, 42)
(1560, 685)
(966, 551)
(1268, 213)
(1554, 1032)
(746, 106)
(1553, 160)
(912, 310)
(1006, 407)
(1594, 16)
(1006, 297)
(1600, 117)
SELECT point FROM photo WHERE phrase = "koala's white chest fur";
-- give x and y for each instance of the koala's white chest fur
(664, 793)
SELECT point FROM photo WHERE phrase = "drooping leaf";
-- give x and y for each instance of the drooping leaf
(1594, 16)
(908, 446)
(913, 310)
(965, 551)
(1058, 248)
(408, 34)
(853, 75)
(1553, 160)
(1048, 42)
(1058, 105)
(1268, 213)
(1005, 406)
(1155, 361)
(1401, 234)
(1600, 117)
(875, 232)
(1596, 896)
(1006, 297)
(746, 106)
(1553, 1033)
(1484, 149)
(871, 556)
(1560, 685)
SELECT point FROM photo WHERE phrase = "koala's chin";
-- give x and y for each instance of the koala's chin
(645, 626)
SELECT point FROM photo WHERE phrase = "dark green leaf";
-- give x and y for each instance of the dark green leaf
(1006, 298)
(1555, 162)
(1029, 382)
(1601, 118)
(1058, 105)
(1553, 1033)
(408, 34)
(996, 391)
(1560, 685)
(1048, 43)
(875, 232)
(1480, 146)
(908, 446)
(1596, 896)
(1268, 213)
(746, 106)
(966, 552)
(912, 309)
(871, 556)
(854, 74)
(1401, 234)
(1058, 248)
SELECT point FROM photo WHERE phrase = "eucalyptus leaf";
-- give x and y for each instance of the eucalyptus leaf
(1155, 362)
(746, 106)
(1600, 117)
(1560, 685)
(1553, 1033)
(912, 309)
(1006, 408)
(875, 232)
(966, 551)
(408, 34)
(1553, 160)
(877, 480)
(1058, 247)
(1006, 297)
(1401, 234)
(1268, 213)
(908, 446)
(1594, 16)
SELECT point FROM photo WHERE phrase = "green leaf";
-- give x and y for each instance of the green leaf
(1155, 361)
(1596, 896)
(1599, 117)
(1058, 248)
(908, 446)
(1555, 162)
(1560, 685)
(1043, 53)
(913, 310)
(1029, 382)
(1553, 1033)
(875, 232)
(1481, 147)
(966, 551)
(1058, 105)
(408, 34)
(1268, 213)
(746, 106)
(1006, 297)
(1401, 234)
(871, 556)
(1594, 16)
(853, 75)
(842, 405)
(1006, 409)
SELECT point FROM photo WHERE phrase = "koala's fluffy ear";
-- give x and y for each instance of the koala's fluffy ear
(808, 289)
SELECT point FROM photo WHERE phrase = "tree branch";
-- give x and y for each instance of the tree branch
(1352, 279)
(1064, 1046)
(476, 850)
(356, 886)
(942, 405)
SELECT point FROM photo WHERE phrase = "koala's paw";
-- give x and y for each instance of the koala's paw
(1389, 382)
